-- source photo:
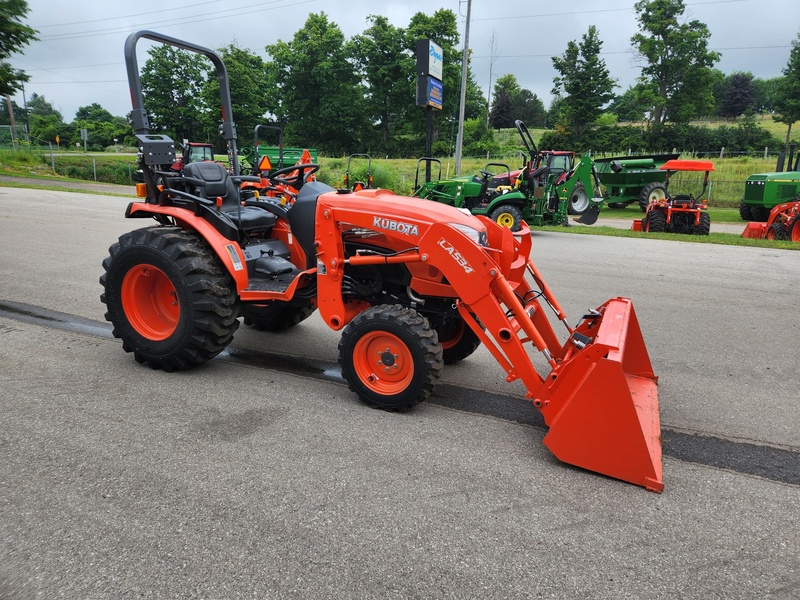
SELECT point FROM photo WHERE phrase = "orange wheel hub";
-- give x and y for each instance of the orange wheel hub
(150, 302)
(383, 363)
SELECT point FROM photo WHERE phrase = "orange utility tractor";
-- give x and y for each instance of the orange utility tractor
(678, 213)
(783, 223)
(411, 284)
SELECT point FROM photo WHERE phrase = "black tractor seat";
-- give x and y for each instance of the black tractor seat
(210, 180)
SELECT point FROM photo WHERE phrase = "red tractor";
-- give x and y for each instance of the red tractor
(783, 223)
(679, 213)
(411, 284)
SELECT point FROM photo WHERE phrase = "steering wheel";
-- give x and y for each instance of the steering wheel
(304, 171)
(486, 174)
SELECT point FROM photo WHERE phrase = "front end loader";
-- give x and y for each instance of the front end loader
(411, 285)
(783, 223)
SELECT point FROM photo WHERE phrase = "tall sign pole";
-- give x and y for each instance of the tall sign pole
(430, 91)
(463, 101)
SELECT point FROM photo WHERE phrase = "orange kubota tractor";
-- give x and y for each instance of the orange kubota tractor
(783, 223)
(410, 283)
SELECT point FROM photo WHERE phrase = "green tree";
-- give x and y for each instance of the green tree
(321, 97)
(583, 80)
(172, 81)
(94, 113)
(387, 70)
(251, 95)
(103, 128)
(530, 108)
(677, 74)
(629, 106)
(787, 97)
(46, 122)
(739, 96)
(506, 91)
(512, 102)
(766, 90)
(478, 139)
(14, 35)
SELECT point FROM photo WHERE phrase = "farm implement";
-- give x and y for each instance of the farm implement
(783, 223)
(411, 284)
(549, 187)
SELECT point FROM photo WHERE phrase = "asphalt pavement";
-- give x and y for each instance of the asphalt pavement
(260, 475)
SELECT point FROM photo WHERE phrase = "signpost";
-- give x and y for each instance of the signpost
(430, 91)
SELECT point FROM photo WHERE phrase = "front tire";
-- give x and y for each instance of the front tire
(777, 231)
(507, 215)
(390, 357)
(745, 211)
(169, 298)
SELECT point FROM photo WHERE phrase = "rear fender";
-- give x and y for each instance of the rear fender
(517, 199)
(229, 252)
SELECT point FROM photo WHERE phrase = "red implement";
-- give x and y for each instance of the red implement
(602, 405)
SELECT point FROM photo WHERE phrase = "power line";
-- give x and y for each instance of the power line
(586, 12)
(194, 4)
(175, 21)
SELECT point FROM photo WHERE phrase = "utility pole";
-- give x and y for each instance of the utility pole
(12, 121)
(464, 66)
(493, 56)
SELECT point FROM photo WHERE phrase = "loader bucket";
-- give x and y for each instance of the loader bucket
(756, 231)
(601, 401)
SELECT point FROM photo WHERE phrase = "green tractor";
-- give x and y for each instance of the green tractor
(763, 191)
(548, 187)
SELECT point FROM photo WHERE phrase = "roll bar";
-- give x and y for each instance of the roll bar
(138, 116)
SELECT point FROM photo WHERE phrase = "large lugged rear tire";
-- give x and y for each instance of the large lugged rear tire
(578, 200)
(656, 221)
(169, 298)
(794, 229)
(704, 226)
(653, 191)
(760, 213)
(390, 357)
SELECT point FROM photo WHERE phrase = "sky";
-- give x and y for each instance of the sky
(78, 59)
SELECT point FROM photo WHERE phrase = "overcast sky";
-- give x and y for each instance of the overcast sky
(79, 58)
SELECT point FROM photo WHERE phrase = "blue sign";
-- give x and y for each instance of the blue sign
(435, 93)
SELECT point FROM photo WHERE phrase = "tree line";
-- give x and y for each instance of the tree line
(356, 95)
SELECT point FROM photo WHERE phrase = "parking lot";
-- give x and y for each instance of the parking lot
(260, 475)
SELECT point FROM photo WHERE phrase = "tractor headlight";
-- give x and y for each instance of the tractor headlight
(479, 237)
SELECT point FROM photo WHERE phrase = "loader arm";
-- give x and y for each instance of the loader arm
(599, 396)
